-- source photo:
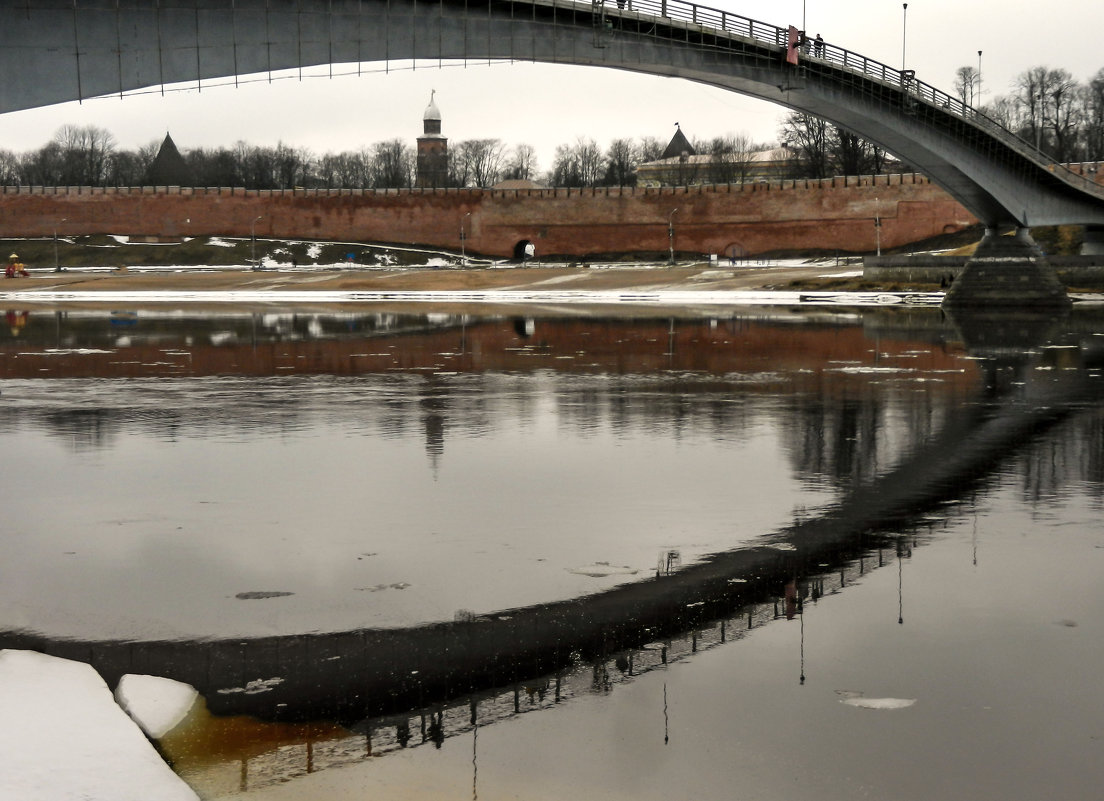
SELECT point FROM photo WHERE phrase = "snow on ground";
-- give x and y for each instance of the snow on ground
(63, 738)
(536, 295)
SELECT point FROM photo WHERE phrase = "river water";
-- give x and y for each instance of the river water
(773, 553)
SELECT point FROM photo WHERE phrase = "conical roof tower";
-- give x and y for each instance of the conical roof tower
(168, 167)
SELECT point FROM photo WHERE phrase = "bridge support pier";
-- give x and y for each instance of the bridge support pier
(1007, 271)
(1093, 243)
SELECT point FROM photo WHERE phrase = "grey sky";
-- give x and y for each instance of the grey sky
(546, 105)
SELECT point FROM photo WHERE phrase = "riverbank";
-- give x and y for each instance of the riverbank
(697, 277)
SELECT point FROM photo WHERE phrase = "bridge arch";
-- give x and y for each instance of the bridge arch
(75, 49)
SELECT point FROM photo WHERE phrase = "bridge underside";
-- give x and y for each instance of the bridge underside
(64, 50)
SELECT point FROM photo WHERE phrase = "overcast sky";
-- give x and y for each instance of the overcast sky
(547, 105)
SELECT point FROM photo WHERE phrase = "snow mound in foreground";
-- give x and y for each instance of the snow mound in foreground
(63, 738)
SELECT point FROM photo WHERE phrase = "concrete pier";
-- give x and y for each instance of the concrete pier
(1007, 271)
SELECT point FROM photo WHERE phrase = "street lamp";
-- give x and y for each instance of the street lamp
(979, 80)
(463, 258)
(904, 32)
(671, 236)
(253, 241)
(57, 267)
(877, 228)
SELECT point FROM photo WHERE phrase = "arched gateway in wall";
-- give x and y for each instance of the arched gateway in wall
(83, 48)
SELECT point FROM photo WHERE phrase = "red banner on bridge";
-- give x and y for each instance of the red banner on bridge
(792, 43)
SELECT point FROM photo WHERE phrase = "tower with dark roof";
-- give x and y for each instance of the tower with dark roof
(432, 163)
(679, 146)
(168, 167)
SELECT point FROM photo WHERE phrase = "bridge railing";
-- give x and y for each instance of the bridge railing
(905, 81)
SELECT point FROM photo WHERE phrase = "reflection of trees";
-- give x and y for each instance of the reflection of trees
(1073, 455)
(848, 437)
(84, 429)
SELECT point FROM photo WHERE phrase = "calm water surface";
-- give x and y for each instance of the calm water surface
(681, 556)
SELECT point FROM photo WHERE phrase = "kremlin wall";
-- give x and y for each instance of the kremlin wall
(730, 220)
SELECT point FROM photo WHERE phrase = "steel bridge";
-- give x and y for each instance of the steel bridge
(64, 50)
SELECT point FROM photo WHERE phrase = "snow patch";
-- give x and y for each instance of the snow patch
(63, 737)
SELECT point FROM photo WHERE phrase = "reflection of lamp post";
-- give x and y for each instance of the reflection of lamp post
(57, 267)
(463, 258)
(904, 32)
(253, 242)
(671, 236)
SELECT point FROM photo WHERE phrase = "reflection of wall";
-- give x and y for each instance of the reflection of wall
(833, 214)
(840, 414)
(244, 346)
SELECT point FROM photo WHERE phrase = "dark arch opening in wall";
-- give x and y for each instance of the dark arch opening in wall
(524, 250)
(735, 252)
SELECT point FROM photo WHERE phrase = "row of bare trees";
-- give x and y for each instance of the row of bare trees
(89, 156)
(818, 149)
(1047, 107)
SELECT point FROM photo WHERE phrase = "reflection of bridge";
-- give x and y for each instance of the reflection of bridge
(72, 50)
(354, 674)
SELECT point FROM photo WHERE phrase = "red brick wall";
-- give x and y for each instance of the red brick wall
(831, 214)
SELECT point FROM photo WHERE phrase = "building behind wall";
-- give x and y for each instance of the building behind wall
(433, 158)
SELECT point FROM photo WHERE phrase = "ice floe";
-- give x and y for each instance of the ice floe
(154, 703)
(852, 698)
(603, 569)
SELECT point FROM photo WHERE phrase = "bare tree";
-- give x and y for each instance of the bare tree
(1032, 87)
(84, 152)
(522, 163)
(622, 156)
(650, 149)
(1064, 115)
(966, 84)
(807, 137)
(391, 165)
(10, 172)
(130, 167)
(484, 159)
(1093, 103)
(577, 165)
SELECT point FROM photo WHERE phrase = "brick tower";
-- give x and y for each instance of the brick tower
(432, 169)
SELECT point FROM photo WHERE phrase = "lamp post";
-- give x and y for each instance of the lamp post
(253, 241)
(671, 236)
(979, 81)
(877, 228)
(463, 257)
(57, 267)
(904, 32)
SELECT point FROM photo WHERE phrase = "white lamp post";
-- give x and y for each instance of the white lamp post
(463, 257)
(57, 267)
(671, 236)
(904, 32)
(978, 105)
(253, 242)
